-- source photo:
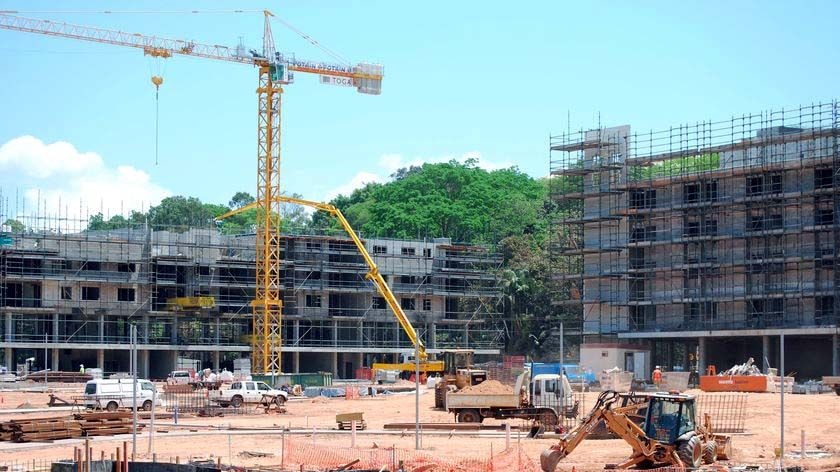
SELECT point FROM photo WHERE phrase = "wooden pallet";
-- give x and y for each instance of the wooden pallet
(360, 425)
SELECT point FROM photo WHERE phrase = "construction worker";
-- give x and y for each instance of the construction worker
(81, 368)
(657, 376)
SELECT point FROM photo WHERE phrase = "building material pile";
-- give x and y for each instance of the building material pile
(58, 376)
(83, 424)
(747, 368)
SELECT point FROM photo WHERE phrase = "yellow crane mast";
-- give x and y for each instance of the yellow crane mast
(275, 70)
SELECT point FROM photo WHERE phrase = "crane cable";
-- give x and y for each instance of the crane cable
(157, 81)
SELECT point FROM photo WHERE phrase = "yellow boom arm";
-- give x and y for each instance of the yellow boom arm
(373, 271)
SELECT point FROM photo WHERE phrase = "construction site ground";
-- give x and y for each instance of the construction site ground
(313, 421)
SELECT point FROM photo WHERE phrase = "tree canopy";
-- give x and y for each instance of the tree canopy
(455, 200)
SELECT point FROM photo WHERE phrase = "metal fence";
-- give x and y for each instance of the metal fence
(199, 403)
(727, 411)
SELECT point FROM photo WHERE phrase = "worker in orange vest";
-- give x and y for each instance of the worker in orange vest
(657, 376)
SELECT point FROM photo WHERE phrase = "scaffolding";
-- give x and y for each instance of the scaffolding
(712, 226)
(71, 287)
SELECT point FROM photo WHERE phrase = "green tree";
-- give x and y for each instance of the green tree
(240, 199)
(453, 199)
(15, 226)
(182, 212)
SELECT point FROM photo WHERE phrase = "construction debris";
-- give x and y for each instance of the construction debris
(254, 454)
(747, 368)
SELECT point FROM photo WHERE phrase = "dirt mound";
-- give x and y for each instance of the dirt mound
(493, 387)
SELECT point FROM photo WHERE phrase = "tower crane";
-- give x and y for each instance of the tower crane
(274, 71)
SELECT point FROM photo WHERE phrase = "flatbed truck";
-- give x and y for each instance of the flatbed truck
(544, 399)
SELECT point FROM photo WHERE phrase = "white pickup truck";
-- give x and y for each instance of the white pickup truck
(249, 392)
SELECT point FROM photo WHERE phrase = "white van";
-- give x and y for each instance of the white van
(110, 394)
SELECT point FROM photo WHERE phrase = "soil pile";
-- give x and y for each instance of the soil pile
(492, 387)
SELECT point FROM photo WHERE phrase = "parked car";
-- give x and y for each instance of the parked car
(249, 392)
(179, 377)
(111, 394)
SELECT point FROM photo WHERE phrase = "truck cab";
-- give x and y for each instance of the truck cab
(551, 391)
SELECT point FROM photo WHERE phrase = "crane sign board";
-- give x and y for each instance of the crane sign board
(334, 80)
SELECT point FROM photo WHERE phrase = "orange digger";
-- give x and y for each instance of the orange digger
(669, 436)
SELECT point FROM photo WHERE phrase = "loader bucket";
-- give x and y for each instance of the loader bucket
(724, 446)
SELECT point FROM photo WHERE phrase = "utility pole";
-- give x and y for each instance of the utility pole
(417, 393)
(782, 379)
(133, 363)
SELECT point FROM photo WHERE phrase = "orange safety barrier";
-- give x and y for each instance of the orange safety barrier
(733, 383)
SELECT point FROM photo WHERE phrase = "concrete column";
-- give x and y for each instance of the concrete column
(296, 333)
(101, 332)
(10, 358)
(100, 359)
(360, 361)
(173, 337)
(835, 354)
(432, 335)
(466, 336)
(335, 333)
(174, 361)
(54, 363)
(334, 356)
(217, 360)
(218, 337)
(360, 335)
(143, 363)
(765, 352)
(9, 328)
(701, 356)
(54, 329)
(296, 360)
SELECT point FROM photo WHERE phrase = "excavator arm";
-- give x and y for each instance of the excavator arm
(644, 448)
(373, 271)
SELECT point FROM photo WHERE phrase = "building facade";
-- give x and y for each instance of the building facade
(706, 242)
(72, 299)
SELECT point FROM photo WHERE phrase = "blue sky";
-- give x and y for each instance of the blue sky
(471, 78)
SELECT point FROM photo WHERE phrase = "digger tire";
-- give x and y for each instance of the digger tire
(690, 452)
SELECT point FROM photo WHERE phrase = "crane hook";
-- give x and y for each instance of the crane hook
(157, 81)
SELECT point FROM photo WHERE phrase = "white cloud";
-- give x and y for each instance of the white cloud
(390, 163)
(358, 181)
(57, 180)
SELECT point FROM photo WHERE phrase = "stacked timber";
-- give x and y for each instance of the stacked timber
(83, 424)
(42, 429)
(105, 423)
(58, 376)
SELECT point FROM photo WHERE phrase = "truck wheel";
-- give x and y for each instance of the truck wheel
(236, 401)
(710, 452)
(112, 406)
(147, 405)
(280, 400)
(469, 416)
(691, 452)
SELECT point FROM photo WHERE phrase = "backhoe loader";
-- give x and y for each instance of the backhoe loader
(669, 435)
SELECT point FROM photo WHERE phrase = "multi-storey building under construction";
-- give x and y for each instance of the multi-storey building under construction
(705, 242)
(77, 294)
